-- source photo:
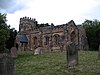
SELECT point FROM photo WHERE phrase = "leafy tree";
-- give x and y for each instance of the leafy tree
(4, 33)
(93, 33)
(11, 41)
(42, 25)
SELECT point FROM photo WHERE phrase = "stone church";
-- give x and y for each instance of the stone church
(50, 37)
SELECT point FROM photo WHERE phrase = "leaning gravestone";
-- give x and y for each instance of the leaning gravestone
(13, 52)
(72, 55)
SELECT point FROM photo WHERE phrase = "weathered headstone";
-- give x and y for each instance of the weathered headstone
(13, 52)
(72, 55)
(99, 53)
(38, 51)
(6, 65)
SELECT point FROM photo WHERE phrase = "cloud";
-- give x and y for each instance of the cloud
(60, 11)
(51, 11)
(11, 6)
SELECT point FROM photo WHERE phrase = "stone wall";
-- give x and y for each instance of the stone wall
(83, 43)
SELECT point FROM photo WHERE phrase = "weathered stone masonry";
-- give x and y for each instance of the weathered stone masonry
(50, 38)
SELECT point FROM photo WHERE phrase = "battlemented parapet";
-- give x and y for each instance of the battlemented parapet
(27, 23)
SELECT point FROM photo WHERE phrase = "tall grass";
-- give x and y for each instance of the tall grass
(54, 63)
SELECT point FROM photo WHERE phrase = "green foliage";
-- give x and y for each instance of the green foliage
(42, 25)
(93, 33)
(4, 33)
(11, 41)
(55, 64)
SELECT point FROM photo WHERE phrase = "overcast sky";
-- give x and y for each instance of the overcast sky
(50, 11)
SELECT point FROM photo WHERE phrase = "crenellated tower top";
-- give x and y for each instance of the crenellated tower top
(27, 23)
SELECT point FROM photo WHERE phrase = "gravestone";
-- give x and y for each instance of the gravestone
(13, 52)
(72, 55)
(99, 53)
(6, 65)
(38, 51)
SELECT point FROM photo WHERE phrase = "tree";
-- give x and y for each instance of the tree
(4, 33)
(42, 25)
(12, 37)
(93, 33)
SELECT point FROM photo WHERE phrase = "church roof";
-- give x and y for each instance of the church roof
(22, 38)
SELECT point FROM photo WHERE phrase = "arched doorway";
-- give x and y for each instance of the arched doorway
(73, 37)
(35, 42)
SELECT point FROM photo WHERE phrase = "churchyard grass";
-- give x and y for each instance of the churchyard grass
(54, 63)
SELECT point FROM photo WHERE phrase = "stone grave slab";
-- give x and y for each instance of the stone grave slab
(6, 65)
(13, 52)
(38, 51)
(99, 53)
(72, 55)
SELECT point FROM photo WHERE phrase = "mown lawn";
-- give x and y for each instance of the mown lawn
(55, 64)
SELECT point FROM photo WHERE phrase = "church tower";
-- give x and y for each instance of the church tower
(27, 24)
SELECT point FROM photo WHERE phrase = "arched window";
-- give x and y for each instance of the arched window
(73, 37)
(46, 40)
(57, 39)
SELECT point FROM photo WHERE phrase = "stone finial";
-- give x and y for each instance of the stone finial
(34, 19)
(27, 17)
(21, 19)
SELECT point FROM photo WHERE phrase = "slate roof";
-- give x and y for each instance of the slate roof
(22, 38)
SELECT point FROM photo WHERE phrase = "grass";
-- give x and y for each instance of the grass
(55, 64)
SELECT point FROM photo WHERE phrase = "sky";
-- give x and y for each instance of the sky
(50, 11)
